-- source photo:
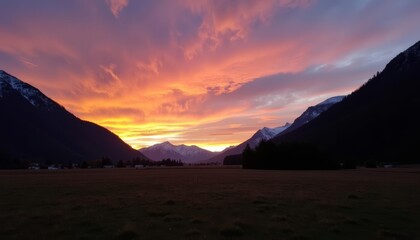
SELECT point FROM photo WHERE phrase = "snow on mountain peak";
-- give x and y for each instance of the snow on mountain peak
(187, 154)
(315, 111)
(269, 133)
(33, 95)
(181, 149)
(332, 100)
(266, 134)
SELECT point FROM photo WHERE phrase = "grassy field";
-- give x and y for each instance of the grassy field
(210, 204)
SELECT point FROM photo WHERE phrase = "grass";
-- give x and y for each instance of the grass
(214, 203)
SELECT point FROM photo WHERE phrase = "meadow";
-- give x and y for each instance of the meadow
(210, 203)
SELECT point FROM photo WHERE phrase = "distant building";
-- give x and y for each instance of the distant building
(138, 166)
(34, 166)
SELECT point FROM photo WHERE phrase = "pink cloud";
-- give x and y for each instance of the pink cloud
(231, 22)
(116, 6)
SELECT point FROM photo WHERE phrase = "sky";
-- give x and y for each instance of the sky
(199, 72)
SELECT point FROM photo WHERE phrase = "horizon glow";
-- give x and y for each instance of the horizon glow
(197, 72)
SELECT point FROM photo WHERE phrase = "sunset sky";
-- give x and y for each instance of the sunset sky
(208, 73)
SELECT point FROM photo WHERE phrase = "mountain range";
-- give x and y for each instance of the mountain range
(187, 154)
(35, 128)
(377, 122)
(311, 113)
(269, 133)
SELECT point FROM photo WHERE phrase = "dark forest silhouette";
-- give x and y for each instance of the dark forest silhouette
(289, 156)
(375, 124)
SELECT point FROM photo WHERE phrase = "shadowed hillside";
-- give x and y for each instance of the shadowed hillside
(377, 122)
(35, 128)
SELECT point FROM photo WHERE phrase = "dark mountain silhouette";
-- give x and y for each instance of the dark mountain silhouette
(262, 134)
(378, 122)
(35, 128)
(269, 133)
(187, 154)
(312, 112)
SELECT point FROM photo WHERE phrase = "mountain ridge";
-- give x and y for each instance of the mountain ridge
(264, 133)
(309, 114)
(36, 128)
(362, 127)
(187, 154)
(313, 112)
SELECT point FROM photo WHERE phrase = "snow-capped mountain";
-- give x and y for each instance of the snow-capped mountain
(188, 154)
(269, 133)
(9, 83)
(312, 112)
(315, 111)
(262, 134)
(35, 128)
(363, 126)
(265, 134)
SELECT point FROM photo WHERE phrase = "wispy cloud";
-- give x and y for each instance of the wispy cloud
(116, 6)
(231, 22)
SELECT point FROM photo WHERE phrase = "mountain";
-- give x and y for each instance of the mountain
(265, 134)
(35, 128)
(188, 154)
(262, 134)
(378, 122)
(268, 133)
(313, 112)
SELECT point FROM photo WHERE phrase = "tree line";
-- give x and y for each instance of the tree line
(130, 163)
(9, 162)
(291, 156)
